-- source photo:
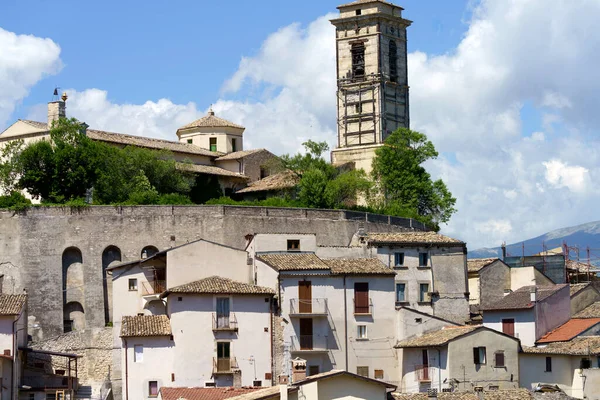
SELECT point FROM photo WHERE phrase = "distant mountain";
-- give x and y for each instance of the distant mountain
(581, 235)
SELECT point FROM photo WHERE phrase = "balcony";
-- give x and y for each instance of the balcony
(308, 308)
(422, 373)
(155, 287)
(362, 308)
(309, 344)
(223, 323)
(47, 381)
(224, 366)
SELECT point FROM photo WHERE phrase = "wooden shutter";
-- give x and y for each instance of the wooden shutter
(499, 361)
(476, 355)
(305, 296)
(361, 298)
(362, 371)
(508, 326)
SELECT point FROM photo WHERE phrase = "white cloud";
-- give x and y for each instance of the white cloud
(24, 61)
(561, 175)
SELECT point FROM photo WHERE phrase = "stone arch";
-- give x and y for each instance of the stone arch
(110, 255)
(155, 307)
(148, 251)
(74, 316)
(73, 281)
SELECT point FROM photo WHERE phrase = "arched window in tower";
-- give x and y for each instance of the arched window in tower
(358, 61)
(393, 59)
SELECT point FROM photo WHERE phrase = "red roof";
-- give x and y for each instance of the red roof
(221, 393)
(569, 330)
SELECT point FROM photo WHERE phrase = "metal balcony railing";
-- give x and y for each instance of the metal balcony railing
(363, 309)
(308, 307)
(153, 287)
(224, 365)
(309, 343)
(423, 373)
(224, 322)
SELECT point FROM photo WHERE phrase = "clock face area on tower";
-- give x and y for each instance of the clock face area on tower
(372, 77)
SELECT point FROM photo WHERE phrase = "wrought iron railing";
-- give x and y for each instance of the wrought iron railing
(224, 365)
(153, 287)
(224, 322)
(423, 373)
(309, 306)
(309, 343)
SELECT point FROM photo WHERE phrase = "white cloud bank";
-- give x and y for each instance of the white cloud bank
(511, 184)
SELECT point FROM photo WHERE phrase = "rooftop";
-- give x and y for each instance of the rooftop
(359, 2)
(337, 372)
(507, 394)
(358, 266)
(578, 287)
(437, 338)
(570, 329)
(219, 285)
(145, 326)
(591, 311)
(412, 238)
(203, 393)
(477, 264)
(210, 121)
(579, 346)
(521, 298)
(236, 155)
(12, 304)
(293, 261)
(263, 394)
(282, 180)
(209, 169)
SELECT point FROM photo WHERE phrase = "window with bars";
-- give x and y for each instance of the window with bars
(133, 285)
(362, 371)
(378, 374)
(293, 245)
(361, 332)
(393, 59)
(358, 60)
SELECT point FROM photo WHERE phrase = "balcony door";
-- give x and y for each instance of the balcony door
(361, 298)
(223, 356)
(306, 334)
(223, 312)
(305, 297)
(425, 368)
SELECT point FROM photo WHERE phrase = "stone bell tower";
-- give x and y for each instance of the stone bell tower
(372, 78)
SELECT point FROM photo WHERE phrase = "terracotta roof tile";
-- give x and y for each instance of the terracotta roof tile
(265, 393)
(201, 393)
(476, 264)
(294, 261)
(210, 170)
(507, 394)
(412, 238)
(219, 285)
(145, 326)
(358, 266)
(577, 265)
(12, 304)
(210, 121)
(236, 155)
(282, 180)
(358, 2)
(569, 330)
(521, 298)
(591, 311)
(437, 338)
(579, 346)
(338, 372)
(35, 124)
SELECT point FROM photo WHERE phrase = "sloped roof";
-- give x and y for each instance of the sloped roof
(591, 311)
(521, 298)
(282, 180)
(437, 338)
(577, 265)
(358, 266)
(579, 346)
(145, 326)
(412, 238)
(477, 264)
(263, 394)
(210, 170)
(12, 304)
(36, 124)
(359, 2)
(293, 261)
(338, 372)
(506, 394)
(220, 285)
(236, 155)
(203, 393)
(569, 330)
(211, 121)
(578, 287)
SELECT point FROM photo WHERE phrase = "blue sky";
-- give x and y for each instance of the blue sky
(505, 89)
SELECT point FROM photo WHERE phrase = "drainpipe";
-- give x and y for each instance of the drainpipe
(272, 307)
(126, 373)
(346, 322)
(439, 369)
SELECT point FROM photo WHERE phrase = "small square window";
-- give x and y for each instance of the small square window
(180, 299)
(133, 285)
(479, 355)
(153, 389)
(423, 259)
(362, 371)
(398, 259)
(378, 374)
(293, 245)
(256, 383)
(499, 359)
(190, 141)
(361, 332)
(358, 12)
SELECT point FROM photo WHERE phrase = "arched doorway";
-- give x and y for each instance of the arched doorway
(73, 285)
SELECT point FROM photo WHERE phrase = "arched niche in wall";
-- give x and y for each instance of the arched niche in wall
(73, 276)
(74, 317)
(110, 256)
(148, 251)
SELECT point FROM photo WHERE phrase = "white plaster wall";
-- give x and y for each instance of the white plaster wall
(195, 342)
(474, 290)
(408, 325)
(270, 242)
(347, 388)
(527, 276)
(203, 259)
(533, 371)
(410, 359)
(6, 333)
(157, 365)
(591, 389)
(524, 323)
(201, 138)
(231, 165)
(265, 275)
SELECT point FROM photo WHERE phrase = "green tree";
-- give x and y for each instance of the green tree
(9, 168)
(407, 187)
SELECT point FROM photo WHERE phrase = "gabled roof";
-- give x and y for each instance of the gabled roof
(359, 2)
(219, 285)
(412, 238)
(145, 326)
(570, 329)
(282, 180)
(264, 393)
(36, 124)
(579, 346)
(293, 261)
(210, 170)
(12, 304)
(236, 155)
(477, 264)
(520, 299)
(502, 394)
(210, 121)
(203, 393)
(591, 311)
(437, 338)
(336, 372)
(578, 287)
(358, 266)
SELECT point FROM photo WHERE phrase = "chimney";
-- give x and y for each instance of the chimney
(503, 251)
(283, 392)
(57, 109)
(298, 369)
(533, 294)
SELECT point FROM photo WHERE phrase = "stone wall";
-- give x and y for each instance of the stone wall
(36, 246)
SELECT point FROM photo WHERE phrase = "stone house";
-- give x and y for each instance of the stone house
(489, 279)
(459, 358)
(529, 312)
(13, 340)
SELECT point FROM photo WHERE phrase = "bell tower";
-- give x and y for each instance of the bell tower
(372, 78)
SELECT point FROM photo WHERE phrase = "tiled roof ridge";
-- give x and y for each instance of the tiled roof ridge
(413, 237)
(211, 121)
(145, 326)
(555, 334)
(219, 284)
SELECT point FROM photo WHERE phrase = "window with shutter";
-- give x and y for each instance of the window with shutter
(361, 298)
(378, 374)
(362, 371)
(499, 359)
(479, 355)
